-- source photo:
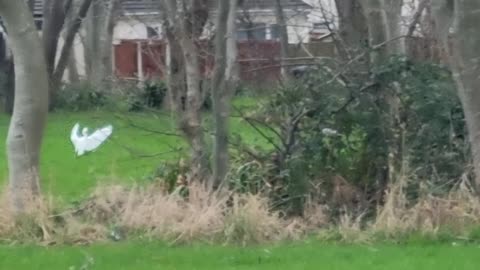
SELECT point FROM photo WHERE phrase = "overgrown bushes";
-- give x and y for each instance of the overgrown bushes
(152, 95)
(80, 97)
(326, 124)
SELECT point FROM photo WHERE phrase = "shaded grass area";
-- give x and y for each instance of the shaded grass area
(143, 255)
(134, 151)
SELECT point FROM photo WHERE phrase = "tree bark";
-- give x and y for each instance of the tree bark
(7, 81)
(100, 25)
(353, 29)
(378, 29)
(283, 33)
(73, 76)
(94, 21)
(106, 42)
(393, 10)
(463, 56)
(70, 34)
(379, 39)
(183, 33)
(225, 77)
(9, 85)
(54, 15)
(31, 104)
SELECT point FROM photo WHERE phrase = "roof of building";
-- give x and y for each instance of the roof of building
(149, 6)
(270, 4)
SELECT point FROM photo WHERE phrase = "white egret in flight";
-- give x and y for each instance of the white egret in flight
(86, 143)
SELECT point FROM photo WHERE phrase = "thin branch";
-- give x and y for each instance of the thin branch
(265, 136)
(360, 56)
(265, 125)
(70, 37)
(353, 98)
(132, 123)
(416, 17)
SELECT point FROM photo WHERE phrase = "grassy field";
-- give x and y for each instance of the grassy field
(301, 256)
(131, 155)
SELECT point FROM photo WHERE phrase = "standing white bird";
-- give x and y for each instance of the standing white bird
(86, 143)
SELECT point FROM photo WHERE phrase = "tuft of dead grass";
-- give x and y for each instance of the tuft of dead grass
(7, 222)
(455, 212)
(250, 220)
(202, 215)
(35, 225)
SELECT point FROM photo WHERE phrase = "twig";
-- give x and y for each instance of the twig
(360, 56)
(270, 140)
(353, 97)
(416, 17)
(265, 125)
(131, 123)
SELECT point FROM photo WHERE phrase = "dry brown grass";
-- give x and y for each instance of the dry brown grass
(35, 225)
(232, 218)
(202, 215)
(6, 216)
(172, 217)
(250, 220)
(459, 210)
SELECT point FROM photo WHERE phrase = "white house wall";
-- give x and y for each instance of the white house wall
(132, 28)
(79, 54)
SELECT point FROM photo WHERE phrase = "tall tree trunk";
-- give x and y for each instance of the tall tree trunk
(353, 28)
(70, 34)
(94, 22)
(9, 85)
(8, 79)
(31, 104)
(106, 42)
(100, 24)
(185, 21)
(379, 38)
(177, 90)
(463, 56)
(73, 75)
(283, 34)
(54, 15)
(378, 29)
(225, 77)
(192, 124)
(393, 9)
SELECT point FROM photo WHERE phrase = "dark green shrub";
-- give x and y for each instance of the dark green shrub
(80, 97)
(432, 119)
(151, 95)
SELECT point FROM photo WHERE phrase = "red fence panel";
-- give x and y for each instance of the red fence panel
(153, 58)
(125, 55)
(259, 60)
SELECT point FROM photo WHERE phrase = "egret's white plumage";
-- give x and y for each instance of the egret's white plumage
(86, 143)
(329, 132)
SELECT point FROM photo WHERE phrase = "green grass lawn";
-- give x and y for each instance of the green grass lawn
(131, 155)
(301, 256)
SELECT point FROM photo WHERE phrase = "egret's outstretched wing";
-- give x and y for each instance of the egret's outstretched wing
(74, 134)
(97, 138)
